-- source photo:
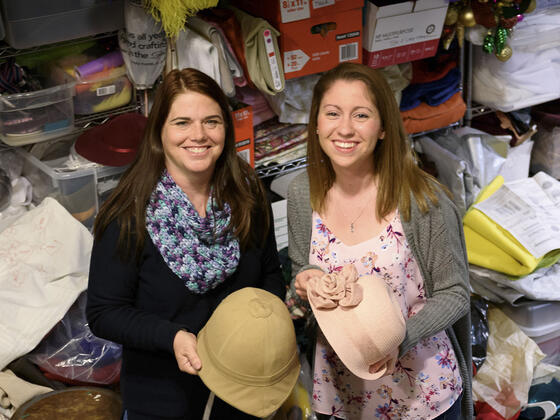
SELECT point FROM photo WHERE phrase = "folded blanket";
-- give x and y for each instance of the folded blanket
(425, 117)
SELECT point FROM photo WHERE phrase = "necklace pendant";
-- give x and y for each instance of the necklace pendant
(352, 227)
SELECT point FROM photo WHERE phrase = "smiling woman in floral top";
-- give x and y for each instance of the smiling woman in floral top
(364, 202)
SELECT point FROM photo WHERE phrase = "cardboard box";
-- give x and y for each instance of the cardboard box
(286, 11)
(402, 32)
(316, 35)
(244, 133)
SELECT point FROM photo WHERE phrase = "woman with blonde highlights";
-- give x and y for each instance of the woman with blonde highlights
(363, 201)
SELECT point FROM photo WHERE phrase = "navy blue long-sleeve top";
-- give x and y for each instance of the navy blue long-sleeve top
(141, 304)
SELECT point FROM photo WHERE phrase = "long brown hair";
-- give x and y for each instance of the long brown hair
(234, 181)
(393, 160)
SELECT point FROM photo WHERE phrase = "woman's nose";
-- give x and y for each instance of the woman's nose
(197, 132)
(346, 127)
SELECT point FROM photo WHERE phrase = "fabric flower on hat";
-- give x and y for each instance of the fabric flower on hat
(332, 290)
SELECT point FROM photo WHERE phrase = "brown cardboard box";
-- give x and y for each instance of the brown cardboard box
(316, 35)
(244, 133)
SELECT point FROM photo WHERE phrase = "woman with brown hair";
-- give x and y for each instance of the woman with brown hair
(188, 224)
(364, 202)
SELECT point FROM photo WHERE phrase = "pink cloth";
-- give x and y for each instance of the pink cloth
(426, 381)
(261, 109)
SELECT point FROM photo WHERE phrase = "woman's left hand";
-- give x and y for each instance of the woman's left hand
(184, 346)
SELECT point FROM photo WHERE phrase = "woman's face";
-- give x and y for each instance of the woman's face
(193, 136)
(349, 125)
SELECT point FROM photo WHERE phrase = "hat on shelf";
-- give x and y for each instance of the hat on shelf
(249, 353)
(360, 318)
(114, 143)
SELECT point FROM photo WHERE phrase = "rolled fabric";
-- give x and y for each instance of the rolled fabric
(113, 59)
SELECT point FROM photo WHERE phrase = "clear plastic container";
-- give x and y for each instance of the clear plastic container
(33, 117)
(81, 189)
(535, 318)
(47, 21)
(102, 92)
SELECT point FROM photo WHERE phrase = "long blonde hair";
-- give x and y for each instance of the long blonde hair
(393, 160)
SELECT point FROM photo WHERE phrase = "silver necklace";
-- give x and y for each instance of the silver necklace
(357, 217)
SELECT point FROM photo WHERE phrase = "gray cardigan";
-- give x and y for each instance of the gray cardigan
(437, 242)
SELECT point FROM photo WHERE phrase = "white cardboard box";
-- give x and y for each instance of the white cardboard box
(280, 213)
(402, 32)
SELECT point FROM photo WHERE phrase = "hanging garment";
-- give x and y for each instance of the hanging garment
(261, 52)
(231, 28)
(294, 103)
(195, 51)
(225, 61)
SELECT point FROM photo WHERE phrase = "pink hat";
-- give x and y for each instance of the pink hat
(360, 318)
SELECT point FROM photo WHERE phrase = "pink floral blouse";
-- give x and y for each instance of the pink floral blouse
(426, 381)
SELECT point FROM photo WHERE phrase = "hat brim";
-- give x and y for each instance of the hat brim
(249, 399)
(334, 326)
(95, 144)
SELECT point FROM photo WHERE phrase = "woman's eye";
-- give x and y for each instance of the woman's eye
(361, 116)
(212, 123)
(331, 114)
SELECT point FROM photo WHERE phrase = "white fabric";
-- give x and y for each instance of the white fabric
(292, 105)
(210, 33)
(44, 264)
(531, 75)
(526, 79)
(14, 391)
(20, 201)
(195, 51)
(541, 284)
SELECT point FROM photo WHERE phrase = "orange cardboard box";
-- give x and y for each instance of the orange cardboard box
(286, 11)
(244, 133)
(316, 35)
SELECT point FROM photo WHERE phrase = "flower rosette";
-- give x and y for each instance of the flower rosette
(337, 289)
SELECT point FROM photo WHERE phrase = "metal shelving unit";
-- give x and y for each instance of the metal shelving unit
(281, 169)
(7, 51)
(293, 165)
(81, 123)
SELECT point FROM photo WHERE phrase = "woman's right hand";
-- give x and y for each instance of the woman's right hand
(184, 346)
(302, 279)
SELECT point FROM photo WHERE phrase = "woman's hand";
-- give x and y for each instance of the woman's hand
(303, 278)
(184, 346)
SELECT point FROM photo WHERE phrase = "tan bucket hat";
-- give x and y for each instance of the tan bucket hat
(249, 353)
(360, 318)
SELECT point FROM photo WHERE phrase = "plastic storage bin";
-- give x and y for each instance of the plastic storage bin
(107, 90)
(535, 318)
(80, 190)
(32, 117)
(47, 21)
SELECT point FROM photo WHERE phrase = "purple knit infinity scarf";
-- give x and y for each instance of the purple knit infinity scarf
(201, 251)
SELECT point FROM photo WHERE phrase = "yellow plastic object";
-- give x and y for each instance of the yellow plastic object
(297, 400)
(491, 246)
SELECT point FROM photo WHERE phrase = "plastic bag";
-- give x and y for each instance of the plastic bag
(298, 404)
(71, 353)
(504, 379)
(479, 330)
